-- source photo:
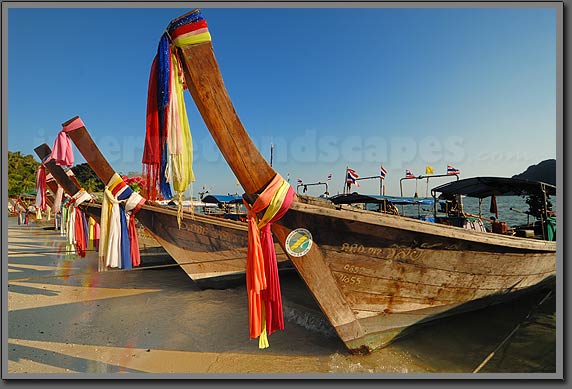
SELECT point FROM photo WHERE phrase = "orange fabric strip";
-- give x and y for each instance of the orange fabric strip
(255, 275)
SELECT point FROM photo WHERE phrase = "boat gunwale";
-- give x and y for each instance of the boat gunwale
(425, 227)
(187, 215)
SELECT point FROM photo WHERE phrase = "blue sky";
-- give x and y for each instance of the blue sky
(406, 88)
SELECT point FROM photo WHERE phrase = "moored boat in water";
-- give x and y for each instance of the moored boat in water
(375, 276)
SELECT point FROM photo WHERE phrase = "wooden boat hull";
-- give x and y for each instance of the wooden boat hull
(205, 247)
(375, 276)
(209, 249)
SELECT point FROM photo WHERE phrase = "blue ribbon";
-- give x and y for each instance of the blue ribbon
(163, 99)
(125, 242)
(191, 18)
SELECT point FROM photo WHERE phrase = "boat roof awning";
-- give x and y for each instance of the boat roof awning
(481, 187)
(356, 198)
(222, 199)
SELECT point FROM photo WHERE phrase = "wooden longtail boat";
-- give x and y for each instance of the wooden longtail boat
(67, 181)
(70, 185)
(210, 249)
(15, 206)
(374, 275)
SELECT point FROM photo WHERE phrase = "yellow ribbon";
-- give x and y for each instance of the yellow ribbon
(275, 204)
(181, 163)
(90, 245)
(105, 215)
(185, 40)
(263, 338)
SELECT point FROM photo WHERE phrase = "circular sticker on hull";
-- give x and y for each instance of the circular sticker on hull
(298, 242)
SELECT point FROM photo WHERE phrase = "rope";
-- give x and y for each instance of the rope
(492, 354)
(133, 269)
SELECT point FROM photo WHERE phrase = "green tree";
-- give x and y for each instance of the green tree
(87, 178)
(22, 170)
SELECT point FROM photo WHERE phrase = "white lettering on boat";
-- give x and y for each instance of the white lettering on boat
(349, 279)
(389, 253)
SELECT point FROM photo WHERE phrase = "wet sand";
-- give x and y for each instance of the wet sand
(65, 317)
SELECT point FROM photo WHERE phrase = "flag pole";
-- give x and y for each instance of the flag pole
(346, 189)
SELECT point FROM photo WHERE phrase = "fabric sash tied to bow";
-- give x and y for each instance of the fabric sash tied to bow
(119, 246)
(262, 282)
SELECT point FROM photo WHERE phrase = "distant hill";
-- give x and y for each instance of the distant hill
(545, 171)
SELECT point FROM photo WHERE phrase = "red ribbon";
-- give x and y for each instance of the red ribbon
(80, 244)
(132, 231)
(272, 296)
(184, 29)
(152, 152)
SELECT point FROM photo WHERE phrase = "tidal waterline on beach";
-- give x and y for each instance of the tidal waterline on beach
(64, 316)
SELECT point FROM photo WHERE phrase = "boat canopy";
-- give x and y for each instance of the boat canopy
(222, 199)
(356, 198)
(481, 187)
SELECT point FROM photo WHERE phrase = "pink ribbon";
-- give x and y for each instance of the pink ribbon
(62, 151)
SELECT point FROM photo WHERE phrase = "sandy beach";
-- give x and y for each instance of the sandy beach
(65, 317)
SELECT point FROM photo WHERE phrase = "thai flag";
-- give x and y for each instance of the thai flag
(408, 174)
(299, 181)
(382, 172)
(452, 170)
(351, 176)
(329, 176)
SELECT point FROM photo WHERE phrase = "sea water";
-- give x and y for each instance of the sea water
(511, 209)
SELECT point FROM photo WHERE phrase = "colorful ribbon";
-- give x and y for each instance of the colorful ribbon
(262, 282)
(41, 189)
(119, 246)
(76, 226)
(62, 151)
(132, 206)
(58, 199)
(106, 207)
(168, 152)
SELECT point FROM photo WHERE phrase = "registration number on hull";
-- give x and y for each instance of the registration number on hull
(390, 253)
